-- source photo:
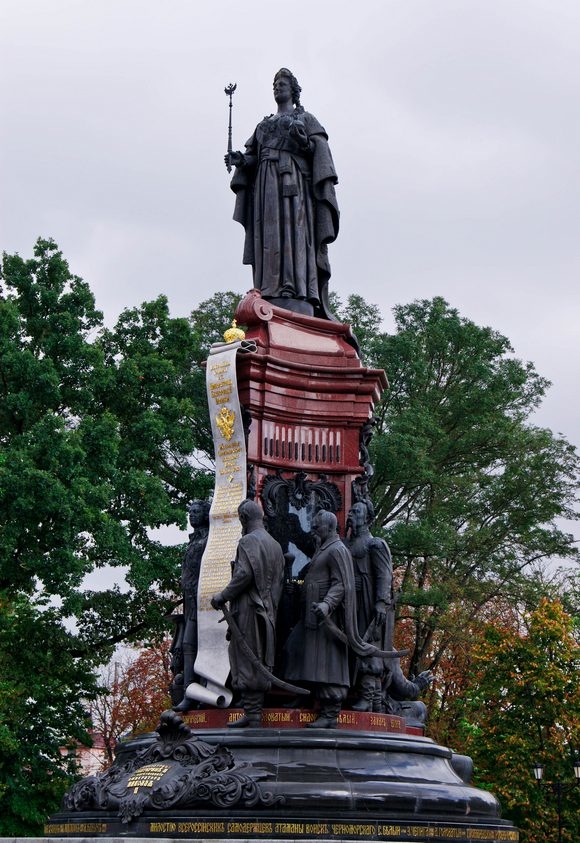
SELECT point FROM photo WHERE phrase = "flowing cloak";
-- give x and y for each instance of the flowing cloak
(254, 592)
(285, 200)
(314, 652)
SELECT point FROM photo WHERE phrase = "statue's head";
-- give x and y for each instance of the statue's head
(250, 515)
(294, 86)
(357, 518)
(324, 524)
(199, 513)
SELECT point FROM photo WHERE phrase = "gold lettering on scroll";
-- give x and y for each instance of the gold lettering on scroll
(220, 368)
(220, 391)
(226, 500)
(212, 661)
(219, 553)
(229, 458)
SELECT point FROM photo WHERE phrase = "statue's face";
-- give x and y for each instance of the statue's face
(282, 89)
(320, 528)
(356, 518)
(196, 515)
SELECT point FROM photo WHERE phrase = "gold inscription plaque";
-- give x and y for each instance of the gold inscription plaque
(317, 828)
(76, 828)
(147, 776)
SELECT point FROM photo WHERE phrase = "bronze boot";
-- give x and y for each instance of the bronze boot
(366, 690)
(252, 717)
(328, 717)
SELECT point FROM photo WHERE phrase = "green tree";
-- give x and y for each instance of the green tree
(524, 706)
(99, 432)
(100, 436)
(467, 490)
(42, 714)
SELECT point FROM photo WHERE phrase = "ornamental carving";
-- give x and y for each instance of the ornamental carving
(278, 492)
(177, 771)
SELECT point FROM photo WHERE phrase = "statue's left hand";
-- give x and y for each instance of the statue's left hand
(381, 612)
(321, 610)
(217, 601)
(424, 679)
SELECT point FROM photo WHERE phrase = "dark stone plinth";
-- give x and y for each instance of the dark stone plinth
(353, 773)
(301, 784)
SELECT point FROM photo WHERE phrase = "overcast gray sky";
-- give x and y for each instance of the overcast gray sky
(454, 125)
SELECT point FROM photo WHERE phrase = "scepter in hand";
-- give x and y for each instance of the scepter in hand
(229, 92)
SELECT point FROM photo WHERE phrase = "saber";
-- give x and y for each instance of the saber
(371, 650)
(238, 637)
(229, 92)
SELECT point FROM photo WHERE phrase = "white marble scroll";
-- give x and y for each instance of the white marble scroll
(212, 662)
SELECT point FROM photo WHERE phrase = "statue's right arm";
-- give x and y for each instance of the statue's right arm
(246, 159)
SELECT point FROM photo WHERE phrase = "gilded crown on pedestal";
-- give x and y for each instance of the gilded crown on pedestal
(234, 333)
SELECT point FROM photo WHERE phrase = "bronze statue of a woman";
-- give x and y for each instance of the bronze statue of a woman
(285, 199)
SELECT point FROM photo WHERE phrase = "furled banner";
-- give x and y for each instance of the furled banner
(212, 663)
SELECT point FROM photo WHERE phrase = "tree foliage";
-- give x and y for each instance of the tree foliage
(42, 712)
(100, 430)
(523, 706)
(133, 691)
(467, 490)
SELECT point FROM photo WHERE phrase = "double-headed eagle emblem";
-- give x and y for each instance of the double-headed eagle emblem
(225, 421)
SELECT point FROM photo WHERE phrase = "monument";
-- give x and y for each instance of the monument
(295, 720)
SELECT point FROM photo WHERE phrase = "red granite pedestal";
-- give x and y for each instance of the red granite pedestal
(308, 395)
(295, 718)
